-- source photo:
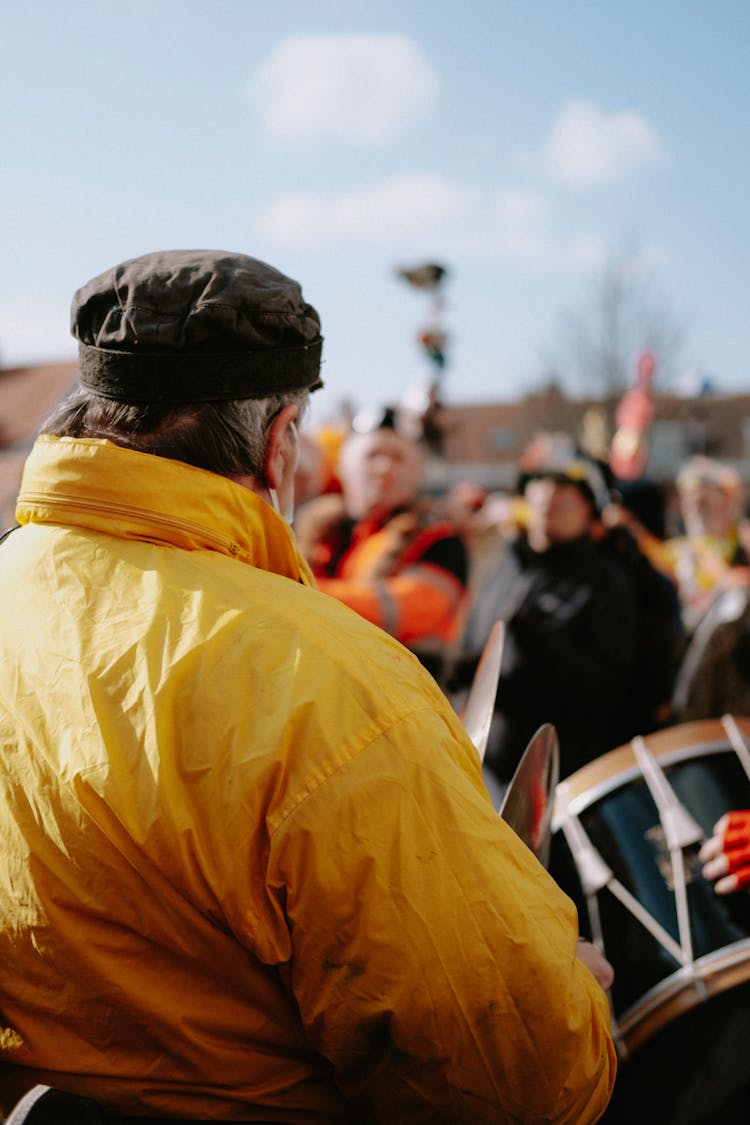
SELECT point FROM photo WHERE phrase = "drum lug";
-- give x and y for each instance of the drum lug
(680, 829)
(592, 870)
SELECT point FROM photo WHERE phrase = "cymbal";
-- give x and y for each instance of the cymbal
(529, 799)
(480, 703)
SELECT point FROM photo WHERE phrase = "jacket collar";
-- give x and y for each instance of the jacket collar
(91, 483)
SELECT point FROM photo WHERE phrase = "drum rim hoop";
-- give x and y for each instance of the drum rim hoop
(685, 989)
(573, 795)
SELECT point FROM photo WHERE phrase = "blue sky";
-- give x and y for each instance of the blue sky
(520, 143)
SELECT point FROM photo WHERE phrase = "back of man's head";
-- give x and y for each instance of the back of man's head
(184, 351)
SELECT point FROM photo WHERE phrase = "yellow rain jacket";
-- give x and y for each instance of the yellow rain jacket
(248, 869)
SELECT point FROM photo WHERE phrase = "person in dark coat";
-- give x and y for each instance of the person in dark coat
(570, 620)
(659, 638)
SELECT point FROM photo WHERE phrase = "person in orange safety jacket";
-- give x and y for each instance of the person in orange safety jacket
(382, 550)
(249, 870)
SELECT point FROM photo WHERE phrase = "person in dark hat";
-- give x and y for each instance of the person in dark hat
(249, 869)
(569, 615)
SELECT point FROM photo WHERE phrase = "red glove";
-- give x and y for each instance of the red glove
(727, 853)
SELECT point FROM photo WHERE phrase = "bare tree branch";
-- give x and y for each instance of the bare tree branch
(621, 315)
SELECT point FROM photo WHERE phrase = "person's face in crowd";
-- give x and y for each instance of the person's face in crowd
(708, 509)
(379, 471)
(557, 512)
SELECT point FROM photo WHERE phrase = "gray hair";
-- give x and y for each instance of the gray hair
(228, 438)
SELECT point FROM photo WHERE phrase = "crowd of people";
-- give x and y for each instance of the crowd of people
(251, 869)
(624, 603)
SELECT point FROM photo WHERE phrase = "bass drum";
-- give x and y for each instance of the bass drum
(626, 833)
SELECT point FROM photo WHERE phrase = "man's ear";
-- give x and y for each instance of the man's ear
(281, 446)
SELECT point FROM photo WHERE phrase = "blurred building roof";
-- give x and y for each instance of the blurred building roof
(27, 395)
(482, 441)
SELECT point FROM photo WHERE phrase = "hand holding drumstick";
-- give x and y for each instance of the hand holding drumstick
(726, 855)
(595, 962)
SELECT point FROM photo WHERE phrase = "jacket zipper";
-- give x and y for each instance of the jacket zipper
(228, 545)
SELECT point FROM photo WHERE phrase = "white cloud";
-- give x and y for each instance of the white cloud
(524, 231)
(409, 208)
(588, 146)
(354, 86)
(415, 211)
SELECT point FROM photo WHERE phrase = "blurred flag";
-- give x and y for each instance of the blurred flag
(628, 453)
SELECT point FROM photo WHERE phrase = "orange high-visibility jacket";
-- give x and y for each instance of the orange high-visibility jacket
(405, 572)
(248, 867)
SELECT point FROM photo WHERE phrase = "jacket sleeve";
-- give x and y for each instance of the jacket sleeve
(433, 957)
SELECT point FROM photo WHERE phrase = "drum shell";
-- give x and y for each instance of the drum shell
(662, 1009)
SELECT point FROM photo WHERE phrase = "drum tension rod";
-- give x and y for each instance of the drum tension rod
(680, 828)
(737, 741)
(681, 831)
(596, 875)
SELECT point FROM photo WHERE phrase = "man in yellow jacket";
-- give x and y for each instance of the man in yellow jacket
(248, 868)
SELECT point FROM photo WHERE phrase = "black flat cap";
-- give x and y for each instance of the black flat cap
(181, 326)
